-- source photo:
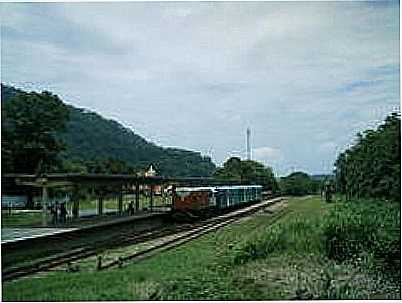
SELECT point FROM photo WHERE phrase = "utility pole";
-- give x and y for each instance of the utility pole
(248, 144)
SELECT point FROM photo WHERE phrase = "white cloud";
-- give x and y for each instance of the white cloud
(327, 147)
(267, 154)
(196, 74)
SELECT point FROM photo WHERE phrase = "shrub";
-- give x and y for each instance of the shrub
(295, 235)
(358, 227)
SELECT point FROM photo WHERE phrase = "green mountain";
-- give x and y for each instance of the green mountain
(90, 137)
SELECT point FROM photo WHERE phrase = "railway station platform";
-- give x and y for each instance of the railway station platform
(10, 235)
(18, 234)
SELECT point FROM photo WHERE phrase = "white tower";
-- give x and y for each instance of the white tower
(248, 144)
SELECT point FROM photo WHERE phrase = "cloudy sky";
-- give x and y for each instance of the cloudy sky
(304, 76)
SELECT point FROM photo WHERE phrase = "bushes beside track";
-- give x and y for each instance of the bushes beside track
(363, 235)
(295, 236)
(367, 229)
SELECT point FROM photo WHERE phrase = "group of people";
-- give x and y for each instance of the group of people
(130, 208)
(58, 212)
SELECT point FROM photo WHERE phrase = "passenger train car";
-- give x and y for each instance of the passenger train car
(197, 199)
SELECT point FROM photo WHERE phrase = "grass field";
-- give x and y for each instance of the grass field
(21, 219)
(252, 259)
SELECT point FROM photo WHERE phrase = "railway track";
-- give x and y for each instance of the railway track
(184, 233)
(177, 241)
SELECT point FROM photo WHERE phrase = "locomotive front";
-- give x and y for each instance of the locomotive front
(193, 198)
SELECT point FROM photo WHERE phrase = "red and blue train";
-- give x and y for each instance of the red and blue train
(214, 198)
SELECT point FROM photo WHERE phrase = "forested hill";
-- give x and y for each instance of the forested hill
(91, 139)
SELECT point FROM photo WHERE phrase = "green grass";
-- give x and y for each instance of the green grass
(21, 219)
(251, 260)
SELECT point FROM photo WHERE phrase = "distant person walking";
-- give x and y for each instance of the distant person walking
(328, 191)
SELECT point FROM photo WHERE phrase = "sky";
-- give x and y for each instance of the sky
(304, 76)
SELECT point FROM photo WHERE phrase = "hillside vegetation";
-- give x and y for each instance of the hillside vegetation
(91, 143)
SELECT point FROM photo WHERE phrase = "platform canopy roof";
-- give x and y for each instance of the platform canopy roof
(106, 179)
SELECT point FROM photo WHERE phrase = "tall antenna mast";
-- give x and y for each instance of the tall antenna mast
(248, 144)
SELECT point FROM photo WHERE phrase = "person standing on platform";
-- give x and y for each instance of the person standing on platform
(63, 213)
(56, 212)
(131, 208)
(53, 212)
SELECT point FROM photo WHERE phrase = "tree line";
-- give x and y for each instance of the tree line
(253, 172)
(247, 171)
(371, 167)
(300, 184)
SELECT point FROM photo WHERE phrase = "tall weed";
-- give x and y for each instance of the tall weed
(368, 226)
(295, 235)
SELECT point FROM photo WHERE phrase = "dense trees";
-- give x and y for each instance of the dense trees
(371, 168)
(98, 166)
(90, 137)
(298, 184)
(247, 171)
(33, 127)
(29, 124)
